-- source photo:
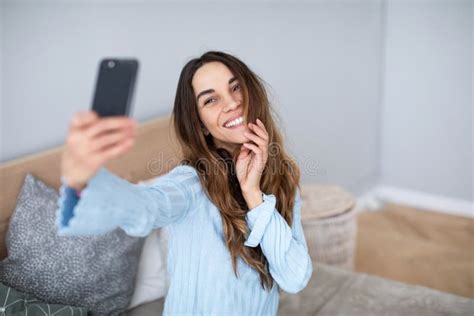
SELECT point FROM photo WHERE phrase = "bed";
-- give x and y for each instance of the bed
(331, 291)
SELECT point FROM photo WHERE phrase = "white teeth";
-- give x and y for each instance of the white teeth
(237, 121)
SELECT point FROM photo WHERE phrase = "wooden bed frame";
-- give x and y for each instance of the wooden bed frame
(155, 152)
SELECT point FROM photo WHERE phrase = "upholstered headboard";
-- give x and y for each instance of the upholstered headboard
(155, 152)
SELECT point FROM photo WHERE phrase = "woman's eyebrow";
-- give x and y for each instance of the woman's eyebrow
(212, 90)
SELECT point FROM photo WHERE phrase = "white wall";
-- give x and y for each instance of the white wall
(322, 60)
(427, 137)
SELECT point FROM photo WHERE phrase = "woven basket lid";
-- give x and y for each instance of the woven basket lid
(321, 200)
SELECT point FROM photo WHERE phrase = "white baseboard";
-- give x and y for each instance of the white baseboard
(375, 198)
(368, 202)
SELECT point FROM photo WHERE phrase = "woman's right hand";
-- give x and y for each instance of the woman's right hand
(91, 142)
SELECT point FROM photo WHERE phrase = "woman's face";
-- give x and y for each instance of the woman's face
(219, 101)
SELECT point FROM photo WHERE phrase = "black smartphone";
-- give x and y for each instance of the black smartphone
(114, 86)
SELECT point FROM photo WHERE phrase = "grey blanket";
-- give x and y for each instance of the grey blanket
(332, 291)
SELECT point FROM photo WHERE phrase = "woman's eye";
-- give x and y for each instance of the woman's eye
(236, 86)
(208, 100)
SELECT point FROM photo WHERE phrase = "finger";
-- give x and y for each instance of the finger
(261, 152)
(263, 143)
(253, 148)
(260, 123)
(259, 131)
(243, 157)
(117, 150)
(112, 138)
(110, 123)
(243, 152)
(262, 126)
(259, 162)
(257, 139)
(82, 119)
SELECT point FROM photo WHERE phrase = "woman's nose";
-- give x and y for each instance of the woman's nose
(231, 104)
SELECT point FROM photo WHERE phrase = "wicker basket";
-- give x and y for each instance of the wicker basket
(330, 224)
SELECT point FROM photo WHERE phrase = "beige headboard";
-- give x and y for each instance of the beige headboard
(155, 152)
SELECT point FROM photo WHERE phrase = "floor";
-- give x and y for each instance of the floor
(418, 247)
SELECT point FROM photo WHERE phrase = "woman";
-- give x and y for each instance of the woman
(232, 207)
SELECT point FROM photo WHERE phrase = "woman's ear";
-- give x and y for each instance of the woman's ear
(204, 130)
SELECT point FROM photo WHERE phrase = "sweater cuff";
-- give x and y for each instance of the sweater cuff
(68, 199)
(258, 219)
(106, 203)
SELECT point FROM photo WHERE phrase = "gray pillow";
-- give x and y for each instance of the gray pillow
(94, 272)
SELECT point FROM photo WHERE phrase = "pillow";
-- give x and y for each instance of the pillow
(95, 272)
(152, 279)
(16, 303)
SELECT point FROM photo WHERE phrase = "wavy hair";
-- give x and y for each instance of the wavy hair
(215, 166)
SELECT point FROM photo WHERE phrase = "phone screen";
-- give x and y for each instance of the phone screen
(115, 86)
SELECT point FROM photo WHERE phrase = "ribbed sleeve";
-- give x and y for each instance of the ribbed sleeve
(108, 202)
(284, 247)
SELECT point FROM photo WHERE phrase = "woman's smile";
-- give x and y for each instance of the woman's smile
(235, 123)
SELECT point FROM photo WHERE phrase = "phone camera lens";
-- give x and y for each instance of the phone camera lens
(111, 64)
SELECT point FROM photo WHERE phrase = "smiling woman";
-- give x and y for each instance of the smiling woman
(232, 207)
(214, 91)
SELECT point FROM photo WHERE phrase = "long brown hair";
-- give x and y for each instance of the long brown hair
(215, 166)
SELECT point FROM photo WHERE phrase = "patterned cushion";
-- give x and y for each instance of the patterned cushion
(16, 303)
(95, 272)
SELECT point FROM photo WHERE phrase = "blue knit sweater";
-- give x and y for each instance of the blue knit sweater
(202, 281)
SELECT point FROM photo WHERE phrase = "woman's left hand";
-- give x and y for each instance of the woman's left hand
(252, 159)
